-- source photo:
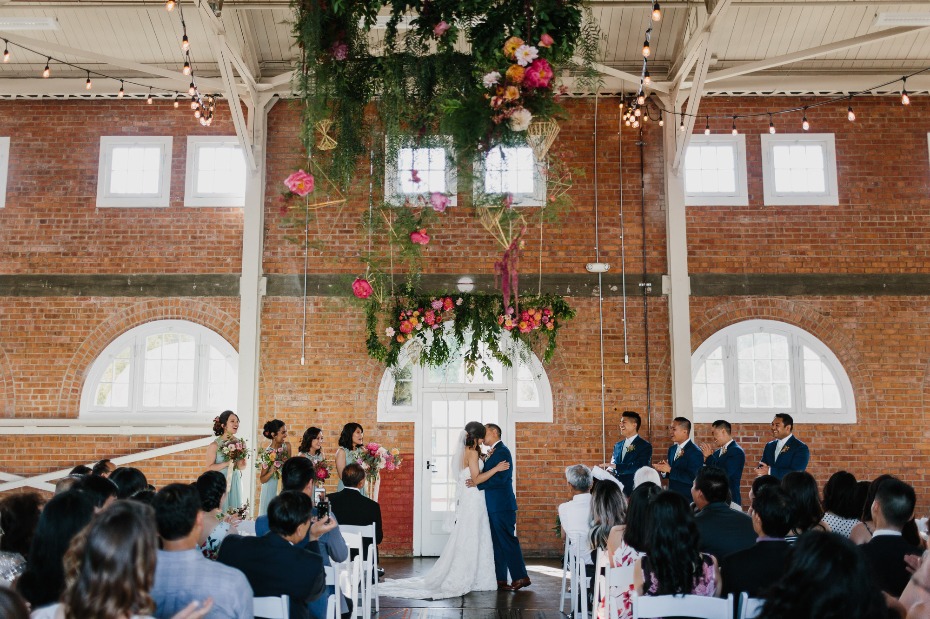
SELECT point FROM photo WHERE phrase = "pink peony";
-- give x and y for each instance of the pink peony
(538, 74)
(340, 50)
(545, 40)
(300, 183)
(440, 28)
(419, 237)
(439, 201)
(361, 288)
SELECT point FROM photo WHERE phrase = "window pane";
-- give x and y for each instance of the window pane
(113, 388)
(708, 385)
(820, 387)
(135, 170)
(510, 170)
(799, 168)
(222, 382)
(711, 169)
(220, 170)
(764, 379)
(169, 371)
(429, 165)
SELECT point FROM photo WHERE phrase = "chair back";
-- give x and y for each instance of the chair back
(370, 590)
(749, 608)
(273, 607)
(618, 579)
(697, 606)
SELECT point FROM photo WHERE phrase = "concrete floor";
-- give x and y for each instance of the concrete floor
(539, 601)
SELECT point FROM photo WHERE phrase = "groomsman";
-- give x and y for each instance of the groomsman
(684, 459)
(786, 453)
(728, 455)
(631, 454)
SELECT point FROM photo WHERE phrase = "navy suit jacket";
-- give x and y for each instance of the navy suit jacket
(794, 457)
(684, 469)
(498, 491)
(635, 459)
(733, 462)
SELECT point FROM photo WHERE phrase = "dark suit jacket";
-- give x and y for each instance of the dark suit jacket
(794, 457)
(733, 462)
(724, 530)
(498, 491)
(274, 567)
(754, 569)
(635, 459)
(353, 508)
(684, 469)
(886, 555)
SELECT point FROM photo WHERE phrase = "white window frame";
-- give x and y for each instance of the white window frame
(4, 168)
(191, 197)
(392, 190)
(536, 198)
(797, 339)
(106, 199)
(830, 197)
(136, 413)
(740, 195)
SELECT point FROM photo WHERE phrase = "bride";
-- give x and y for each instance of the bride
(464, 563)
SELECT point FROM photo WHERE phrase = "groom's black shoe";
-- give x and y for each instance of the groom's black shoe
(519, 584)
(503, 586)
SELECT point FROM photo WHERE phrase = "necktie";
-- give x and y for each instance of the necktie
(626, 445)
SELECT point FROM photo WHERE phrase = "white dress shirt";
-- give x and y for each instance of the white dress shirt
(781, 443)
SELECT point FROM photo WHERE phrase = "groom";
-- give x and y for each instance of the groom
(502, 512)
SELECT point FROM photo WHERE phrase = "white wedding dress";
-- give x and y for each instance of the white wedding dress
(467, 561)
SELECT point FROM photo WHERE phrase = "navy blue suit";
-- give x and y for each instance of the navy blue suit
(502, 513)
(636, 458)
(733, 462)
(794, 457)
(684, 469)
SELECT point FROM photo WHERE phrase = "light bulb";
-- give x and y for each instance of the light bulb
(176, 104)
(47, 71)
(646, 78)
(6, 52)
(169, 5)
(850, 114)
(681, 125)
(88, 85)
(641, 99)
(185, 43)
(187, 68)
(196, 113)
(636, 124)
(191, 89)
(905, 98)
(661, 121)
(121, 92)
(734, 131)
(707, 127)
(804, 124)
(638, 112)
(656, 12)
(627, 122)
(646, 50)
(771, 125)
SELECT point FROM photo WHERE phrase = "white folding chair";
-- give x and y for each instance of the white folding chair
(749, 608)
(361, 572)
(618, 579)
(333, 574)
(601, 564)
(576, 547)
(698, 606)
(368, 531)
(273, 607)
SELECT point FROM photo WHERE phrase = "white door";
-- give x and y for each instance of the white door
(445, 417)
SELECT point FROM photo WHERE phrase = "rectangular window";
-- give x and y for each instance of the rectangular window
(4, 168)
(134, 171)
(715, 171)
(420, 171)
(216, 172)
(513, 170)
(799, 169)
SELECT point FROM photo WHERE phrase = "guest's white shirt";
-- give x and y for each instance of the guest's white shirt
(888, 532)
(781, 443)
(575, 516)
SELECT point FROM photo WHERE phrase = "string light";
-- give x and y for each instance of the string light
(646, 78)
(804, 124)
(637, 112)
(656, 12)
(661, 119)
(169, 5)
(771, 125)
(681, 125)
(646, 50)
(149, 98)
(191, 89)
(707, 127)
(734, 131)
(850, 114)
(905, 99)
(641, 99)
(47, 71)
(176, 103)
(88, 85)
(122, 91)
(6, 50)
(185, 43)
(187, 65)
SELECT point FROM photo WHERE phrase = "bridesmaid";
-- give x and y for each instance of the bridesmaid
(352, 437)
(225, 427)
(276, 432)
(311, 445)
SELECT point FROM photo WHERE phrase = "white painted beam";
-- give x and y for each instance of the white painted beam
(624, 76)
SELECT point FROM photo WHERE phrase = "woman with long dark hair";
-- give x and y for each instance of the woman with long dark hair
(211, 486)
(350, 440)
(270, 476)
(841, 513)
(674, 563)
(608, 510)
(224, 428)
(311, 444)
(806, 509)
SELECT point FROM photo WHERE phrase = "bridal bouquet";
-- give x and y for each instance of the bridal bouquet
(324, 470)
(373, 458)
(234, 514)
(270, 458)
(234, 450)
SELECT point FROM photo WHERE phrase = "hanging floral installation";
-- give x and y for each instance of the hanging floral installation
(376, 76)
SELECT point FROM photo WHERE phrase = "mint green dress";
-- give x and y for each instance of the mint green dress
(234, 496)
(351, 456)
(269, 490)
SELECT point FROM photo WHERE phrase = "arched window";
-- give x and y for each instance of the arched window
(167, 371)
(751, 370)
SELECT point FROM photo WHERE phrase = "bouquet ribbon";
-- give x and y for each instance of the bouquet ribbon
(229, 474)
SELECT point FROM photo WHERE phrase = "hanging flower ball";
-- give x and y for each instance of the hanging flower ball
(300, 183)
(361, 288)
(419, 237)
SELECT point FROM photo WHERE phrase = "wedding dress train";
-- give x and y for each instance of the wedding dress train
(467, 560)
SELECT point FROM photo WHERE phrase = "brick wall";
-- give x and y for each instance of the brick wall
(50, 225)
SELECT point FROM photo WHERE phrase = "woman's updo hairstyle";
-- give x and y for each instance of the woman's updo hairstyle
(310, 435)
(474, 430)
(271, 428)
(219, 424)
(211, 486)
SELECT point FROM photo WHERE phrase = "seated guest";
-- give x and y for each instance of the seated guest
(826, 577)
(758, 484)
(674, 563)
(211, 487)
(101, 490)
(575, 515)
(839, 503)
(807, 512)
(129, 481)
(630, 454)
(608, 510)
(755, 569)
(891, 510)
(728, 455)
(12, 606)
(862, 532)
(350, 506)
(647, 474)
(627, 542)
(62, 518)
(103, 468)
(723, 530)
(19, 516)
(182, 574)
(66, 483)
(273, 564)
(684, 459)
(81, 469)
